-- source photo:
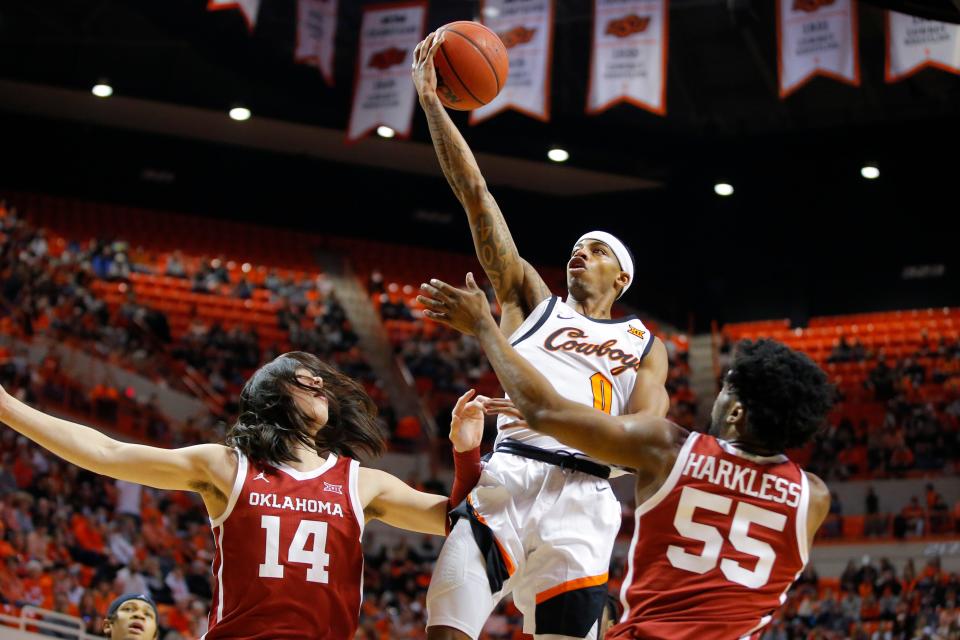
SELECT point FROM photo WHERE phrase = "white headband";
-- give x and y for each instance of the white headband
(619, 249)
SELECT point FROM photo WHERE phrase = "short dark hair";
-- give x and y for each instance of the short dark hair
(785, 394)
(270, 422)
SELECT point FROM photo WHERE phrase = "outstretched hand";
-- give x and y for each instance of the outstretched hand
(466, 422)
(466, 310)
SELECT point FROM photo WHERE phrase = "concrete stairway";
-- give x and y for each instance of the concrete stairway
(374, 342)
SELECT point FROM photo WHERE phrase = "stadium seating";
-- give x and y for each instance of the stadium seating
(897, 376)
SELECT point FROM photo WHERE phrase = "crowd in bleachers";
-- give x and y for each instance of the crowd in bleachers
(871, 601)
(894, 417)
(86, 294)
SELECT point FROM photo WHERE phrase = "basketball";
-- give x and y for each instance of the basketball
(472, 65)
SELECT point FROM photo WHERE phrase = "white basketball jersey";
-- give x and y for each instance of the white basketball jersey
(594, 362)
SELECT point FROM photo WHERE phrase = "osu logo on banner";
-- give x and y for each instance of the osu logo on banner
(810, 5)
(517, 35)
(627, 26)
(387, 58)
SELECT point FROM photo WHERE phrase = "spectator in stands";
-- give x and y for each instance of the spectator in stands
(881, 381)
(375, 283)
(841, 352)
(910, 519)
(272, 282)
(175, 267)
(243, 289)
(872, 502)
(939, 515)
(901, 460)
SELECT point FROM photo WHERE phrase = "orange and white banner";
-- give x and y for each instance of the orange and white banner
(383, 93)
(915, 43)
(816, 37)
(629, 59)
(249, 9)
(316, 29)
(526, 28)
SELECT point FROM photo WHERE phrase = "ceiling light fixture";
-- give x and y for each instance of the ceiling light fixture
(723, 189)
(240, 113)
(102, 89)
(558, 155)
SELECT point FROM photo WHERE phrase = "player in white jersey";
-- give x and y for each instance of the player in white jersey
(541, 523)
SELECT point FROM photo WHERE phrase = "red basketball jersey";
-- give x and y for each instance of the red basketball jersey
(288, 560)
(716, 547)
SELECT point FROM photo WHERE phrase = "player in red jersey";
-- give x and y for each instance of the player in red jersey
(724, 521)
(287, 500)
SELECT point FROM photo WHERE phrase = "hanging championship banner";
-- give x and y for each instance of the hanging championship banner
(316, 28)
(916, 43)
(383, 93)
(629, 59)
(248, 8)
(816, 37)
(526, 28)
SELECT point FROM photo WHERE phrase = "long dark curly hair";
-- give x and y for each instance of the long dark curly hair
(270, 423)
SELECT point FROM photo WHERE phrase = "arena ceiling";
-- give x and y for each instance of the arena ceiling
(722, 74)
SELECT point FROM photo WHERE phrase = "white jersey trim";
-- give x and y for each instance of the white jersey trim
(235, 492)
(220, 574)
(354, 489)
(802, 510)
(764, 621)
(313, 473)
(645, 507)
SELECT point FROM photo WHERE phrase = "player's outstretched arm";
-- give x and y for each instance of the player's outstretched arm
(192, 468)
(518, 286)
(637, 441)
(386, 498)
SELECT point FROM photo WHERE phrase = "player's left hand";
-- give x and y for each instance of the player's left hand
(463, 309)
(466, 423)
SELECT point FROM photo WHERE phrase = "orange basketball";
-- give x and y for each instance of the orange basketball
(472, 65)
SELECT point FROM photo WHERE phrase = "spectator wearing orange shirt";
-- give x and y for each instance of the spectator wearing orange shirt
(38, 586)
(913, 517)
(901, 460)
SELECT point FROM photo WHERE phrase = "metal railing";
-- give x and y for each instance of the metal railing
(46, 623)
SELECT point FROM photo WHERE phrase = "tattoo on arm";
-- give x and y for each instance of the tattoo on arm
(495, 247)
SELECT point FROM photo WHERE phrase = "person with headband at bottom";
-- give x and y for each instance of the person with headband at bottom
(132, 616)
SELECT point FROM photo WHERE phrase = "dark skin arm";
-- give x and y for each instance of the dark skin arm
(637, 441)
(518, 286)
